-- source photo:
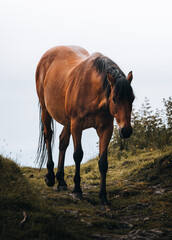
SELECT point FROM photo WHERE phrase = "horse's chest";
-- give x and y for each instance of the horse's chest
(89, 121)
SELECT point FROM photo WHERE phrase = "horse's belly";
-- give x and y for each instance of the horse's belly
(59, 116)
(55, 105)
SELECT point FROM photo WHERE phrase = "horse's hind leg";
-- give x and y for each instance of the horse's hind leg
(63, 144)
(46, 120)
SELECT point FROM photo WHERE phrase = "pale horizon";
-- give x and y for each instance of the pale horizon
(135, 34)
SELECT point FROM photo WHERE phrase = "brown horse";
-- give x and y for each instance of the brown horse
(80, 91)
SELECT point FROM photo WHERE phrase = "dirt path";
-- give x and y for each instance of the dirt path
(128, 218)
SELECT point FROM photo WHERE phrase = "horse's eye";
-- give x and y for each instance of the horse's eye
(114, 100)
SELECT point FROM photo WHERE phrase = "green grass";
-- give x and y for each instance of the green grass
(17, 197)
(139, 189)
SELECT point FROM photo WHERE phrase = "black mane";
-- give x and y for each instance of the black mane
(123, 88)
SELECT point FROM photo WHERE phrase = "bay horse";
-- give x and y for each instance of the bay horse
(80, 91)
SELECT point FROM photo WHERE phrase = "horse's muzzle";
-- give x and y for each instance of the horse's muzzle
(125, 132)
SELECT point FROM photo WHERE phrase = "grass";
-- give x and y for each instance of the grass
(139, 190)
(18, 199)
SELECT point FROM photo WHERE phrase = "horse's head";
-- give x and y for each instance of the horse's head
(120, 101)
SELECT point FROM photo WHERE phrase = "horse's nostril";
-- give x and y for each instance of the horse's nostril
(126, 132)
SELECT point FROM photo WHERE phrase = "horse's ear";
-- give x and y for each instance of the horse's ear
(130, 77)
(110, 79)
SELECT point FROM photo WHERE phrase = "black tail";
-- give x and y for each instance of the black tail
(42, 150)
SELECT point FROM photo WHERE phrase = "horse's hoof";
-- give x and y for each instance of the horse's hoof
(77, 195)
(62, 188)
(49, 181)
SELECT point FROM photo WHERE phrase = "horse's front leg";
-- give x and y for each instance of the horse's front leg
(104, 138)
(76, 131)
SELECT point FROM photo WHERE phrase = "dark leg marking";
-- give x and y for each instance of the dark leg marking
(50, 176)
(76, 130)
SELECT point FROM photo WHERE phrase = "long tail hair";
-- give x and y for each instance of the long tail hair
(42, 153)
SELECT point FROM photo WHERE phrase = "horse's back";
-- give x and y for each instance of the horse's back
(62, 58)
(52, 78)
(64, 53)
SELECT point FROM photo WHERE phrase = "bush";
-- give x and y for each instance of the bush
(151, 130)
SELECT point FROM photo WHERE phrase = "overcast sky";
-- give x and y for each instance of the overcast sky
(137, 35)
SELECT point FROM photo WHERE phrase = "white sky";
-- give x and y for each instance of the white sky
(137, 35)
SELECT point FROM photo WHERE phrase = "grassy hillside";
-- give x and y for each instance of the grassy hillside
(24, 214)
(139, 189)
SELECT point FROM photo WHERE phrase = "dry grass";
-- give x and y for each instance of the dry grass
(139, 189)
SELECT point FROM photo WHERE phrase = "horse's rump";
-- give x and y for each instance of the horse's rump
(52, 78)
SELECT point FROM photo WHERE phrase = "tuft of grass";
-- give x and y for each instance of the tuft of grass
(18, 199)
